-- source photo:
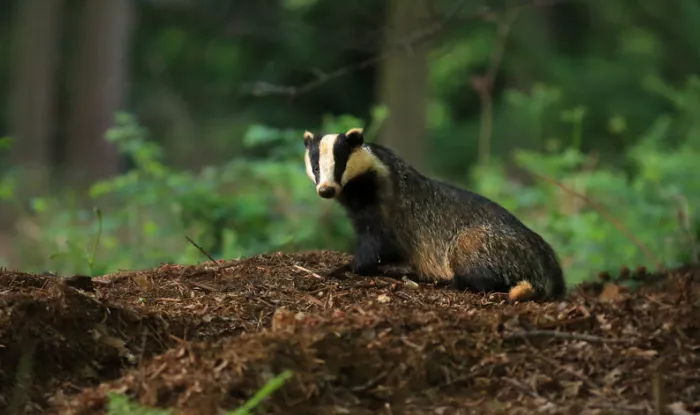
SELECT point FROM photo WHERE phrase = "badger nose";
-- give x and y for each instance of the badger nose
(326, 192)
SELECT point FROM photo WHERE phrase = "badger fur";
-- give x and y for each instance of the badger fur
(442, 232)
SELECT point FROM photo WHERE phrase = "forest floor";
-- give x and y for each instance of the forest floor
(205, 338)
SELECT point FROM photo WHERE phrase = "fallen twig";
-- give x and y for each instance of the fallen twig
(617, 407)
(591, 385)
(371, 382)
(563, 335)
(525, 389)
(308, 271)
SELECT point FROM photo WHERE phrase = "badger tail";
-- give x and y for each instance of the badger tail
(522, 291)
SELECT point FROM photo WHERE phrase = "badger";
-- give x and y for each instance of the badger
(442, 232)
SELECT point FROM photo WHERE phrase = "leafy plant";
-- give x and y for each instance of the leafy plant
(648, 202)
(268, 389)
(261, 201)
(121, 405)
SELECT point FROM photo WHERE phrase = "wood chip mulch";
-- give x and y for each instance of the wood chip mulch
(203, 339)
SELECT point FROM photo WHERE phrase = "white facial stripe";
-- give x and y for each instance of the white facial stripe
(309, 170)
(326, 160)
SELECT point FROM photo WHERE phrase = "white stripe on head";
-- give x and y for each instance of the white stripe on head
(309, 169)
(326, 161)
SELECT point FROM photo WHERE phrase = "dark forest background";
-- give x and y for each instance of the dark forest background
(131, 124)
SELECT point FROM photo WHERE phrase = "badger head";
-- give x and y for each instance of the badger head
(332, 160)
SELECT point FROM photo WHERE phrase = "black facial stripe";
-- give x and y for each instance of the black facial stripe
(314, 154)
(341, 153)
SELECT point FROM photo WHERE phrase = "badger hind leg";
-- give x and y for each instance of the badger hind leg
(485, 261)
(479, 279)
(473, 263)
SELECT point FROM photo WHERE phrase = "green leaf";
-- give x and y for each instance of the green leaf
(39, 204)
(6, 142)
(270, 387)
(121, 405)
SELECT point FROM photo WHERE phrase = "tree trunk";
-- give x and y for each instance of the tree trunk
(403, 82)
(32, 120)
(97, 88)
(32, 112)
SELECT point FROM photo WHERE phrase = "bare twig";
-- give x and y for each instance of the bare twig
(657, 387)
(608, 217)
(313, 274)
(142, 353)
(405, 44)
(484, 85)
(617, 407)
(563, 335)
(24, 376)
(371, 382)
(525, 389)
(591, 385)
(684, 222)
(205, 253)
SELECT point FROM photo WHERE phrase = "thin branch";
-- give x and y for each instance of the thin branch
(484, 85)
(260, 89)
(371, 382)
(561, 367)
(563, 335)
(407, 43)
(525, 389)
(608, 217)
(684, 223)
(205, 253)
(617, 407)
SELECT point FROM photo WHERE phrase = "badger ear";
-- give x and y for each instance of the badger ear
(355, 137)
(307, 138)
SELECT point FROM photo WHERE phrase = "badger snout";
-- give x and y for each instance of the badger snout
(327, 192)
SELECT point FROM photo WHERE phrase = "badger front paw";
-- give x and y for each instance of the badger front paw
(364, 268)
(339, 272)
(355, 267)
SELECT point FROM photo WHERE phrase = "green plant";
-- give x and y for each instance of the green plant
(648, 201)
(121, 405)
(81, 252)
(258, 202)
(268, 389)
(6, 142)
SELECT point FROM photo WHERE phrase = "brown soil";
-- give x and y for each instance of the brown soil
(202, 339)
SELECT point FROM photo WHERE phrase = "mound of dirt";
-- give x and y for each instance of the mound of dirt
(202, 339)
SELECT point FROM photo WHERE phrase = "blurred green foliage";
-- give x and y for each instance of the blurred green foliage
(262, 200)
(597, 95)
(257, 202)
